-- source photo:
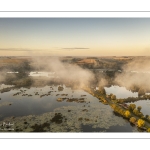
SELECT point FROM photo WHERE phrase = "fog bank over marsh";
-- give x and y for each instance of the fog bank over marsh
(65, 71)
(136, 72)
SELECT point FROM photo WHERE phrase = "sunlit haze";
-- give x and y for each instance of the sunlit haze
(74, 36)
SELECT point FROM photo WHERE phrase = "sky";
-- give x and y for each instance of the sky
(75, 36)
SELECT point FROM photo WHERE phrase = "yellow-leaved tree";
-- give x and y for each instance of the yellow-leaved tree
(132, 119)
(140, 123)
(127, 114)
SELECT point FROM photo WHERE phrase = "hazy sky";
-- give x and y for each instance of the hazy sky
(75, 36)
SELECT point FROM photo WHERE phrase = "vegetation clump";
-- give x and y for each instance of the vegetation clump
(132, 107)
(58, 118)
(102, 90)
(148, 130)
(138, 113)
(80, 119)
(133, 120)
(40, 127)
(25, 82)
(59, 99)
(5, 90)
(118, 109)
(140, 123)
(113, 97)
(127, 114)
(60, 88)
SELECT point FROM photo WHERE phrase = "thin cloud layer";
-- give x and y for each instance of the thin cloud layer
(75, 48)
(19, 49)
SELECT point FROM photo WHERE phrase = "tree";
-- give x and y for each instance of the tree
(127, 114)
(135, 111)
(139, 108)
(132, 107)
(102, 90)
(113, 106)
(133, 120)
(140, 123)
(146, 116)
(60, 88)
(122, 112)
(120, 100)
(113, 97)
(140, 114)
(148, 130)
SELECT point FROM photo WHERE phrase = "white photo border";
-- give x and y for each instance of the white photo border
(73, 14)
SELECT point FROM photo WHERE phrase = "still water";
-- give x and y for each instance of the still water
(120, 92)
(145, 104)
(50, 109)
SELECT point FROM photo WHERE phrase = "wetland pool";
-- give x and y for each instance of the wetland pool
(120, 92)
(54, 109)
(145, 104)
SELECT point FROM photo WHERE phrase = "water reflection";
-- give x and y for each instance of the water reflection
(37, 109)
(45, 74)
(145, 104)
(126, 128)
(35, 101)
(120, 92)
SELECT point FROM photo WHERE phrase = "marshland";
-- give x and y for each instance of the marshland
(74, 94)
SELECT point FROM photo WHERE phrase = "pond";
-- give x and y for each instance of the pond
(25, 101)
(45, 74)
(120, 92)
(145, 104)
(58, 109)
(38, 74)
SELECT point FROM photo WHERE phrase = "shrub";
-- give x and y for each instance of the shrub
(113, 97)
(127, 114)
(139, 108)
(132, 119)
(140, 123)
(136, 112)
(148, 130)
(113, 106)
(146, 116)
(102, 90)
(132, 106)
(60, 88)
(140, 114)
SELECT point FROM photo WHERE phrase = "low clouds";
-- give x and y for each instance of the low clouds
(75, 48)
(68, 73)
(15, 49)
(135, 72)
(27, 49)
